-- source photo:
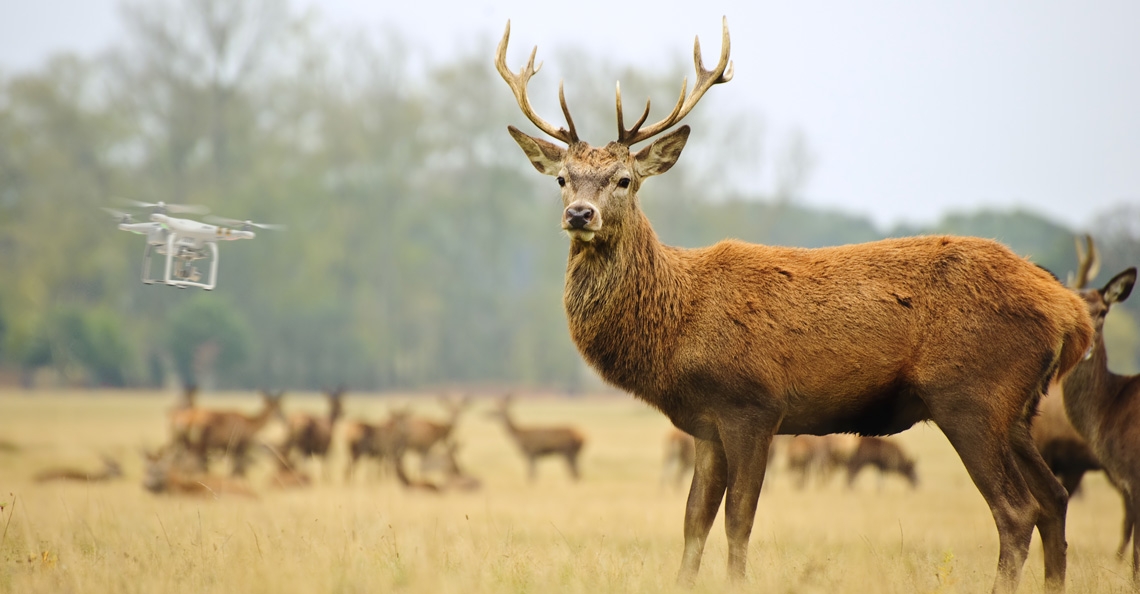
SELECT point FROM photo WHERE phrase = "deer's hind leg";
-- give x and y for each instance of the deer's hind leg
(1053, 501)
(980, 433)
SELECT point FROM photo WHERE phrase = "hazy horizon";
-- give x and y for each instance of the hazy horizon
(911, 112)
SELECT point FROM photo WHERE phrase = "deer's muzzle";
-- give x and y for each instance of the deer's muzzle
(581, 220)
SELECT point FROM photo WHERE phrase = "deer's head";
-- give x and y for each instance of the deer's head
(599, 184)
(1099, 301)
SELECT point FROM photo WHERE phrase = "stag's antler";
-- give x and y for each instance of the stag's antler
(705, 79)
(1089, 263)
(518, 84)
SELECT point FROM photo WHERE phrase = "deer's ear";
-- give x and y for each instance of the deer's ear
(1120, 287)
(545, 156)
(660, 156)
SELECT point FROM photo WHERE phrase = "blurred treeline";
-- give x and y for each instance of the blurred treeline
(421, 247)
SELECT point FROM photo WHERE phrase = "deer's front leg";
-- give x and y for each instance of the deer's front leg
(710, 475)
(745, 439)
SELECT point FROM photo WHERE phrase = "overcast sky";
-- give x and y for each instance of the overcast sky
(912, 109)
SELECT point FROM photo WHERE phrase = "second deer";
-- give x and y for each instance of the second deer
(1104, 407)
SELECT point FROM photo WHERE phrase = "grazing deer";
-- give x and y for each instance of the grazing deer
(1104, 407)
(167, 471)
(536, 442)
(311, 435)
(382, 442)
(110, 471)
(680, 452)
(738, 342)
(230, 432)
(884, 454)
(820, 455)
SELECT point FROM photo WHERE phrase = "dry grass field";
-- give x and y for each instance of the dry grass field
(618, 530)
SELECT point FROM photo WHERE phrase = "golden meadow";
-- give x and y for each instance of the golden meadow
(618, 530)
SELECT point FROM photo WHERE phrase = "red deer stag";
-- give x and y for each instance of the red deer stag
(110, 471)
(230, 432)
(884, 454)
(311, 435)
(536, 442)
(738, 342)
(1104, 407)
(680, 452)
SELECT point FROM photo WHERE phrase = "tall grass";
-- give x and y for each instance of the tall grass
(618, 530)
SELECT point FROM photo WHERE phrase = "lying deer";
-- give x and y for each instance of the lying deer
(311, 435)
(738, 342)
(884, 454)
(453, 477)
(286, 475)
(202, 431)
(169, 471)
(1104, 407)
(110, 471)
(538, 442)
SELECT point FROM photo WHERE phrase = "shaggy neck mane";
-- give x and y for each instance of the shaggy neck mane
(623, 301)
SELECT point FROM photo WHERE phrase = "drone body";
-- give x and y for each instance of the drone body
(183, 241)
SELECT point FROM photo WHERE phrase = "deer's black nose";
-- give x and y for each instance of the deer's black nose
(579, 216)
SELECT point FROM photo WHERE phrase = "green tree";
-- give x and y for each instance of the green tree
(208, 341)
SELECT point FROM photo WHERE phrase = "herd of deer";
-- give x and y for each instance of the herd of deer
(737, 342)
(197, 433)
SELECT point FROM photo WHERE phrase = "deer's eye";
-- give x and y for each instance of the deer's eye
(623, 182)
(561, 181)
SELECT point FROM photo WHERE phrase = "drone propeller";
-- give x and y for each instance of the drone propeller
(163, 207)
(123, 217)
(243, 225)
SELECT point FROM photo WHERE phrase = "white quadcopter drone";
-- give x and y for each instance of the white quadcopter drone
(183, 241)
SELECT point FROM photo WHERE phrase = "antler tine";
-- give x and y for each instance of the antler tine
(1089, 263)
(566, 112)
(623, 134)
(722, 73)
(518, 83)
